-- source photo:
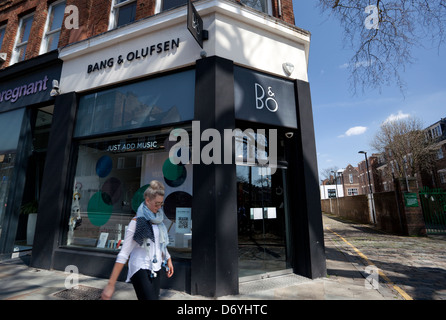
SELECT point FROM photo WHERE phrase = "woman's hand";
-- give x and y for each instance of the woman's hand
(108, 292)
(170, 266)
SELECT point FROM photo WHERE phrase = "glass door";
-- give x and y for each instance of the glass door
(262, 220)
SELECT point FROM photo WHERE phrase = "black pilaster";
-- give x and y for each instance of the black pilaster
(55, 188)
(214, 270)
(309, 253)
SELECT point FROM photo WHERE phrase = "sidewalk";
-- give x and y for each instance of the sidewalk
(350, 248)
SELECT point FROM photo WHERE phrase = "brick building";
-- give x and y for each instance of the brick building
(350, 181)
(91, 92)
(30, 28)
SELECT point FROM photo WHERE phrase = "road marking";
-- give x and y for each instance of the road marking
(403, 293)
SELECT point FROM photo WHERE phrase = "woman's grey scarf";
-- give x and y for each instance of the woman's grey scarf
(144, 220)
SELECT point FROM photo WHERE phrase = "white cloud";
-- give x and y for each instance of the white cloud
(363, 63)
(399, 116)
(355, 131)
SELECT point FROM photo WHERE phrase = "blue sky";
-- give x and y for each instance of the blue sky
(346, 123)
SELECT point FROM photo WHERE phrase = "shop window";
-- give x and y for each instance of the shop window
(111, 176)
(10, 124)
(6, 172)
(123, 12)
(53, 26)
(154, 102)
(19, 52)
(260, 5)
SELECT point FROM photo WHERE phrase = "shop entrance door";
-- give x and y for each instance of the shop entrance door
(262, 221)
(41, 120)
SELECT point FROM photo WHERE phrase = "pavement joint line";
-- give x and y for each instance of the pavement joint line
(403, 293)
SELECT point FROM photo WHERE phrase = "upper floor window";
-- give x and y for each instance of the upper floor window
(260, 5)
(434, 132)
(19, 51)
(440, 154)
(53, 27)
(170, 4)
(2, 35)
(123, 12)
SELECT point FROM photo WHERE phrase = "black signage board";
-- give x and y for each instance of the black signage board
(264, 98)
(195, 24)
(28, 88)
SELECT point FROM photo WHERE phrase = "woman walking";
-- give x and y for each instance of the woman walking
(145, 243)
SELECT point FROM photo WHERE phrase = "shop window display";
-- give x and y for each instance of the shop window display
(6, 170)
(111, 177)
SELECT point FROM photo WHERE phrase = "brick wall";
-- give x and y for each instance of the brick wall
(93, 20)
(10, 14)
(287, 11)
(392, 215)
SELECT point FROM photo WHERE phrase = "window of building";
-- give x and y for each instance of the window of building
(442, 175)
(19, 51)
(352, 191)
(2, 35)
(118, 154)
(122, 12)
(331, 193)
(53, 27)
(260, 5)
(440, 154)
(138, 105)
(436, 131)
(111, 176)
(350, 177)
(170, 4)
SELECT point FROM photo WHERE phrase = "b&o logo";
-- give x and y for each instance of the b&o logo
(265, 98)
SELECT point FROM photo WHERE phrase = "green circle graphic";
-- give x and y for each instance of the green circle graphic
(138, 197)
(172, 171)
(99, 212)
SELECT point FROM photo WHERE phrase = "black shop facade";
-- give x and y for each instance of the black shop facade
(26, 110)
(233, 146)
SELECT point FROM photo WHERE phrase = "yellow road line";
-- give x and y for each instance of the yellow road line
(363, 256)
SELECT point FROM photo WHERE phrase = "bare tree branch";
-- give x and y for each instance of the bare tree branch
(404, 147)
(382, 52)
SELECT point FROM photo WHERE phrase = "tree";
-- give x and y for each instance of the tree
(404, 146)
(327, 174)
(383, 33)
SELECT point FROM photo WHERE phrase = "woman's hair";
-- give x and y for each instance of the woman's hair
(155, 188)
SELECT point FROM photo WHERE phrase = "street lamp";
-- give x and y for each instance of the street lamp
(370, 185)
(336, 182)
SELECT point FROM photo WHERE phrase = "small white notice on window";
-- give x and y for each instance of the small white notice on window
(183, 221)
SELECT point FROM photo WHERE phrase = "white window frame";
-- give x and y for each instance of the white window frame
(114, 12)
(17, 45)
(269, 7)
(46, 33)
